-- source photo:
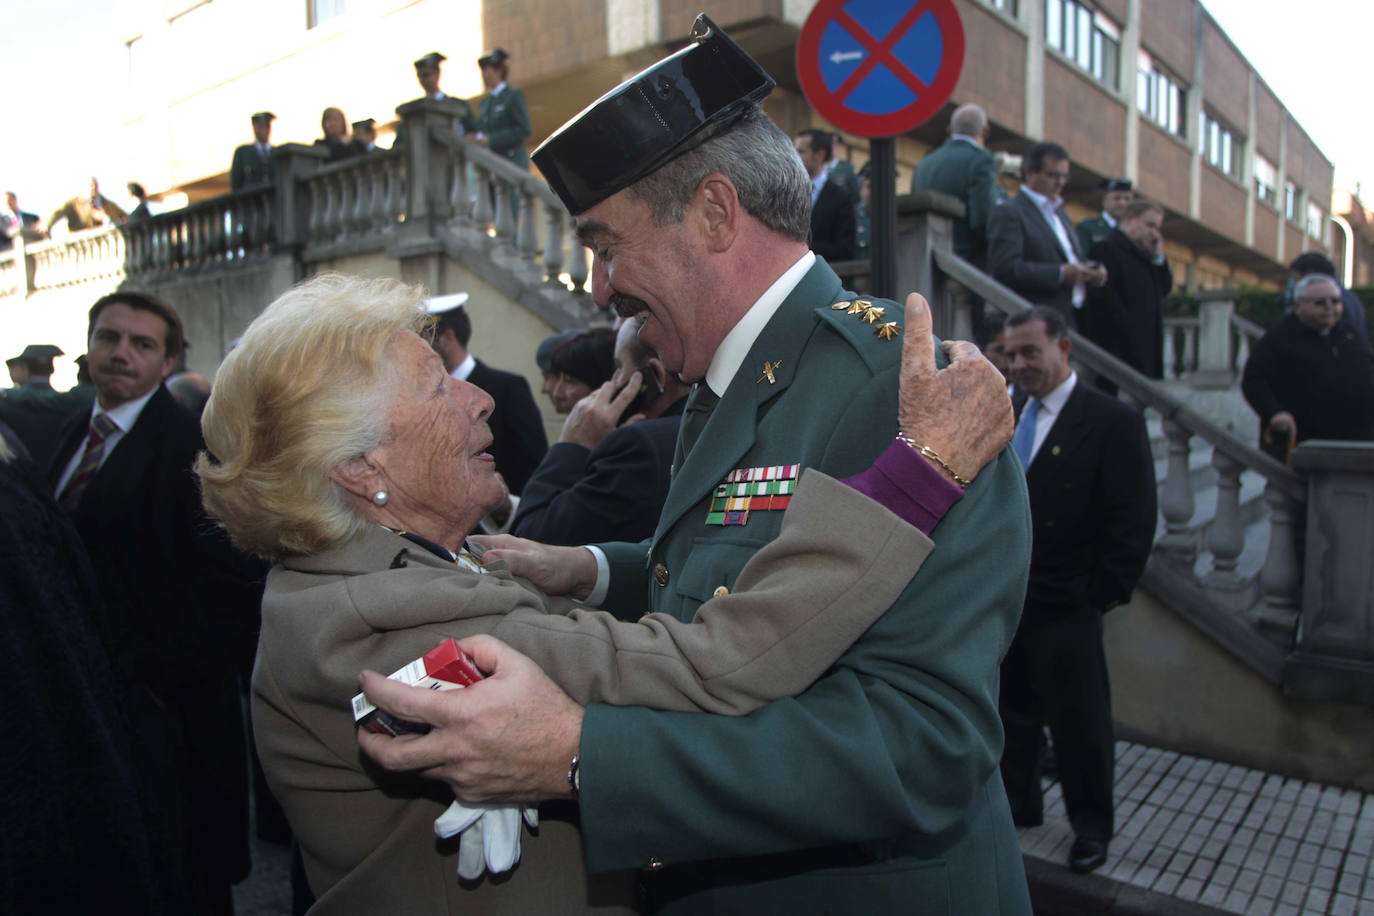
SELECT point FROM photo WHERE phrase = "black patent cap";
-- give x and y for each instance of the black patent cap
(493, 58)
(263, 116)
(365, 123)
(41, 351)
(652, 118)
(432, 59)
(1115, 184)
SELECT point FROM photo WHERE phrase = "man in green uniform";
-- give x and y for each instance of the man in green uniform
(876, 790)
(252, 165)
(33, 410)
(962, 167)
(1117, 195)
(503, 118)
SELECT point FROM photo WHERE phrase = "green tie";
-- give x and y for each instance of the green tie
(698, 410)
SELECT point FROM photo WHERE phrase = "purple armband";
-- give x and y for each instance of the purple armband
(909, 486)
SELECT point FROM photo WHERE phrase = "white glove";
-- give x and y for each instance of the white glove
(491, 836)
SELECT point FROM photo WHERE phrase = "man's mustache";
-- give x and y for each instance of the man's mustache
(627, 306)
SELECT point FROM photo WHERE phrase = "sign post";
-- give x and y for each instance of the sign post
(878, 68)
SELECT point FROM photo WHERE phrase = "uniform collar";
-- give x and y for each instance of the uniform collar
(730, 355)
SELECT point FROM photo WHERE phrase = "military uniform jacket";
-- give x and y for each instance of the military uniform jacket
(966, 171)
(876, 790)
(379, 601)
(35, 412)
(1091, 231)
(250, 168)
(505, 119)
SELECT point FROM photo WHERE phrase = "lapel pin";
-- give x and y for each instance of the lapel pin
(859, 305)
(768, 369)
(1055, 451)
(887, 330)
(840, 306)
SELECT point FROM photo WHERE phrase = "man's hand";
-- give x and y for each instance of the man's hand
(593, 417)
(961, 412)
(1282, 424)
(1084, 272)
(1097, 275)
(553, 570)
(508, 738)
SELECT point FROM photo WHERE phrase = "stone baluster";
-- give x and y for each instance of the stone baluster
(1189, 349)
(553, 242)
(1277, 611)
(1215, 308)
(1176, 502)
(1225, 539)
(1170, 353)
(462, 188)
(481, 204)
(504, 217)
(357, 210)
(577, 266)
(1242, 351)
(527, 233)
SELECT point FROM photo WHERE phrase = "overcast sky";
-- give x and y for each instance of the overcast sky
(67, 66)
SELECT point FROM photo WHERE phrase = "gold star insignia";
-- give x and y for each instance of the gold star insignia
(768, 372)
(887, 330)
(873, 313)
(859, 305)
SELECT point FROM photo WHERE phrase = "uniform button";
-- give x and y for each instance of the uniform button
(655, 864)
(661, 575)
(720, 590)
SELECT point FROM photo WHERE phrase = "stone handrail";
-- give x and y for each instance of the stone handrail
(81, 257)
(1256, 616)
(221, 231)
(357, 199)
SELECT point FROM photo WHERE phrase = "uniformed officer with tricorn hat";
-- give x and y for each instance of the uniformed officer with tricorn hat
(876, 790)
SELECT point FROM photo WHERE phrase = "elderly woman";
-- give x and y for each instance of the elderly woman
(345, 452)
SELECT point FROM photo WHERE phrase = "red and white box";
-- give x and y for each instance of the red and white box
(445, 667)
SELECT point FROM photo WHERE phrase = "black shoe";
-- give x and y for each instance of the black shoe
(1087, 855)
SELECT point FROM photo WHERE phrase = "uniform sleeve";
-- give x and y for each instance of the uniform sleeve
(504, 139)
(980, 194)
(895, 740)
(838, 563)
(1127, 499)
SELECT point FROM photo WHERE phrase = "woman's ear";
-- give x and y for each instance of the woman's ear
(360, 476)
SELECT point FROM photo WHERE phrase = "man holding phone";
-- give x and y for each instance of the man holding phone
(1031, 243)
(606, 477)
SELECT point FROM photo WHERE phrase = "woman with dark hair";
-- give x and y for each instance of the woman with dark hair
(503, 118)
(581, 365)
(335, 128)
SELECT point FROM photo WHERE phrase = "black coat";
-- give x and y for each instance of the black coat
(1126, 317)
(832, 224)
(1092, 498)
(613, 492)
(517, 428)
(1326, 383)
(180, 610)
(1024, 253)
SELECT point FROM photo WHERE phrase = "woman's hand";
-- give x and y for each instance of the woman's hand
(961, 412)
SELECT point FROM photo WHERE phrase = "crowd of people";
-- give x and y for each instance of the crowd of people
(726, 668)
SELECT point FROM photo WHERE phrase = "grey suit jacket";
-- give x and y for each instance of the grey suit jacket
(379, 601)
(1024, 254)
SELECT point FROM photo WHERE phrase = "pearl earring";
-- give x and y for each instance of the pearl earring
(380, 497)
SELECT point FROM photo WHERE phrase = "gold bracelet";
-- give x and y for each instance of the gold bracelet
(926, 451)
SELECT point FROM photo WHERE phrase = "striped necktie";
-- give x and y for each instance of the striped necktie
(101, 427)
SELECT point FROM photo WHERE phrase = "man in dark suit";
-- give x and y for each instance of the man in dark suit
(963, 168)
(15, 223)
(602, 481)
(832, 209)
(1126, 316)
(180, 604)
(1092, 498)
(517, 428)
(1031, 244)
(252, 165)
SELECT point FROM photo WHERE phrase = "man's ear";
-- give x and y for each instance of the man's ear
(660, 372)
(719, 211)
(360, 476)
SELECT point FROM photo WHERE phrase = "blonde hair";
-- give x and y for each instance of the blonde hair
(307, 388)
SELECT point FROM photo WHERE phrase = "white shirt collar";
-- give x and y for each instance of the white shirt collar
(126, 414)
(967, 139)
(729, 356)
(1041, 201)
(1107, 218)
(464, 369)
(1053, 402)
(817, 183)
(499, 88)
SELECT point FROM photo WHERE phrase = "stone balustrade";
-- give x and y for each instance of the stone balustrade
(81, 257)
(221, 232)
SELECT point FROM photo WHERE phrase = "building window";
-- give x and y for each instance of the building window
(1266, 180)
(1290, 201)
(1011, 8)
(1316, 222)
(1219, 146)
(318, 12)
(1085, 37)
(1160, 97)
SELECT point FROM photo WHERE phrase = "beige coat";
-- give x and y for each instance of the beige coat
(379, 601)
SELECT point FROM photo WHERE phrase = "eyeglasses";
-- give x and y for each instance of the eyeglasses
(1324, 301)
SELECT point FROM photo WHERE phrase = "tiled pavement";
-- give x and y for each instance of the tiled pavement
(1229, 837)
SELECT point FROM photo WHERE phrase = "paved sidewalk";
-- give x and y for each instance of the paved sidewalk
(1224, 836)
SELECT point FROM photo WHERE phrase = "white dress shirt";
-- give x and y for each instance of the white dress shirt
(124, 417)
(1051, 406)
(1050, 210)
(464, 369)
